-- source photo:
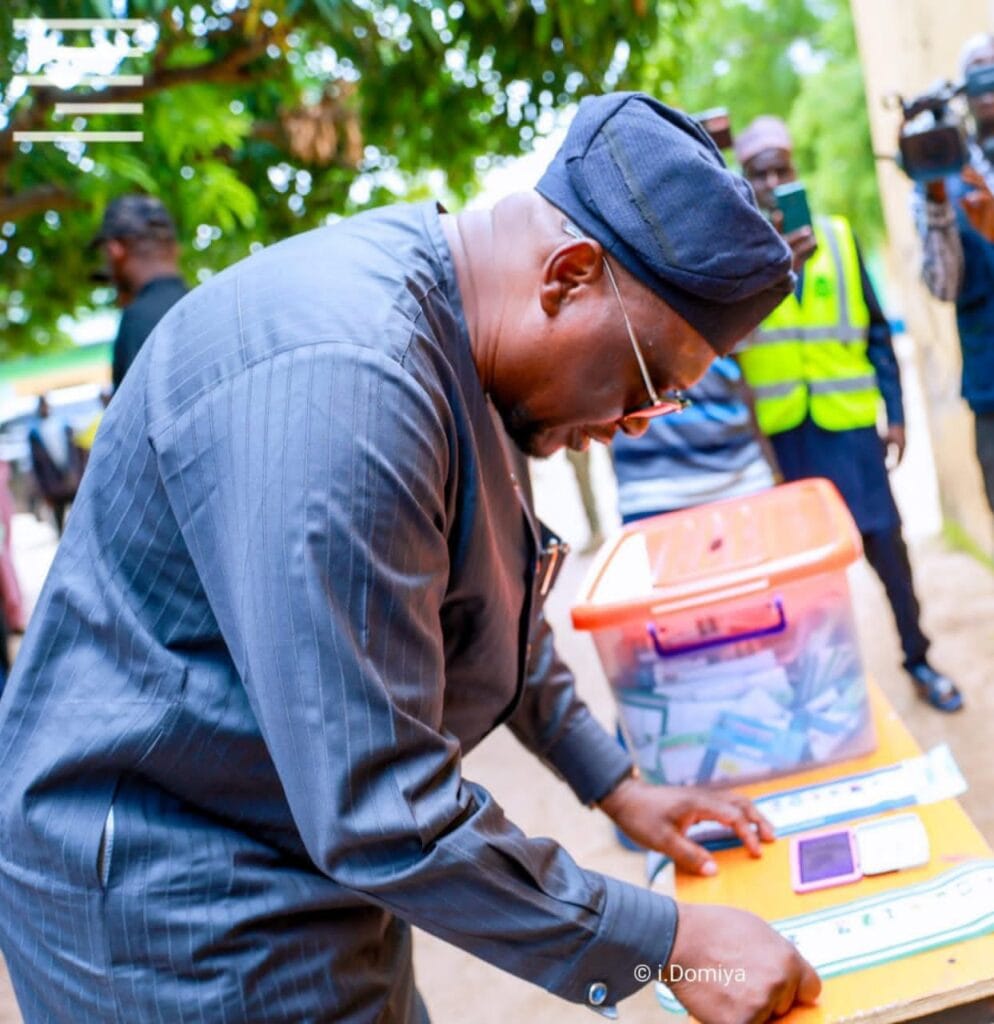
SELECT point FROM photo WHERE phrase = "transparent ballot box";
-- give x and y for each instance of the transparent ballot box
(727, 634)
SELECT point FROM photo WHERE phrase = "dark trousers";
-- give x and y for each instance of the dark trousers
(984, 429)
(888, 554)
(59, 515)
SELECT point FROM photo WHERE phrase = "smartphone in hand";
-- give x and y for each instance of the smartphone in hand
(792, 201)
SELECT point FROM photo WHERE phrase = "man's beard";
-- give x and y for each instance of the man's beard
(524, 430)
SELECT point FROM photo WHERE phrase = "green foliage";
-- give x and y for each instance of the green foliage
(266, 117)
(796, 59)
(831, 129)
(736, 54)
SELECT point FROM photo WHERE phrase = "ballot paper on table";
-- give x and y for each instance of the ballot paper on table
(925, 779)
(952, 907)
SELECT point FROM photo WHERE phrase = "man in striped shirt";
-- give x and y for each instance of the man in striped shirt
(712, 450)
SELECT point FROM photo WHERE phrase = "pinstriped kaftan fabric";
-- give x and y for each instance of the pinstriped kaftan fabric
(296, 586)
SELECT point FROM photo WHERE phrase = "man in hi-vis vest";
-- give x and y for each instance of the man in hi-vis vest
(818, 367)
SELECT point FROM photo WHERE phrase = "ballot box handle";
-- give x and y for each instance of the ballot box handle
(674, 650)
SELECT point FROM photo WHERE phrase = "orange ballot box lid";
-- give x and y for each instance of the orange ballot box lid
(721, 551)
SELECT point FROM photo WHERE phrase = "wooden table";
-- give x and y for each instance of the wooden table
(902, 990)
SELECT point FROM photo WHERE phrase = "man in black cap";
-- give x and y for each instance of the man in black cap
(303, 581)
(138, 240)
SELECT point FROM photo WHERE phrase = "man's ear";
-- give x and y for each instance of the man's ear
(116, 249)
(568, 267)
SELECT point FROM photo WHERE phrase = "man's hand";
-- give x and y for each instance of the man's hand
(895, 439)
(978, 205)
(764, 975)
(935, 191)
(802, 244)
(658, 816)
(802, 241)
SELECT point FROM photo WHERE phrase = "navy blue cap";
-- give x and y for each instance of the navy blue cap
(647, 182)
(136, 216)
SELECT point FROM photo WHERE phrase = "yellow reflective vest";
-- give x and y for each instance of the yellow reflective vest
(809, 357)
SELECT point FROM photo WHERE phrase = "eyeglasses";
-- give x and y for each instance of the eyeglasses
(657, 405)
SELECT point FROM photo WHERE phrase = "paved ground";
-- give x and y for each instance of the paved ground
(959, 609)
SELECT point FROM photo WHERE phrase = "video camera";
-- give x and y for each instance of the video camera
(933, 139)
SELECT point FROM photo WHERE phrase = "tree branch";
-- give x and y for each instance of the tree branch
(229, 68)
(34, 200)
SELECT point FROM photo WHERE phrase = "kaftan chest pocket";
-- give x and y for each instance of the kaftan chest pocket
(105, 849)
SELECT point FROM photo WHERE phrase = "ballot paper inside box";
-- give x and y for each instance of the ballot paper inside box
(727, 634)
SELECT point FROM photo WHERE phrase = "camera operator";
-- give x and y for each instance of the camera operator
(955, 219)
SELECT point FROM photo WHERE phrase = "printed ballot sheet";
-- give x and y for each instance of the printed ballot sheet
(952, 907)
(924, 779)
